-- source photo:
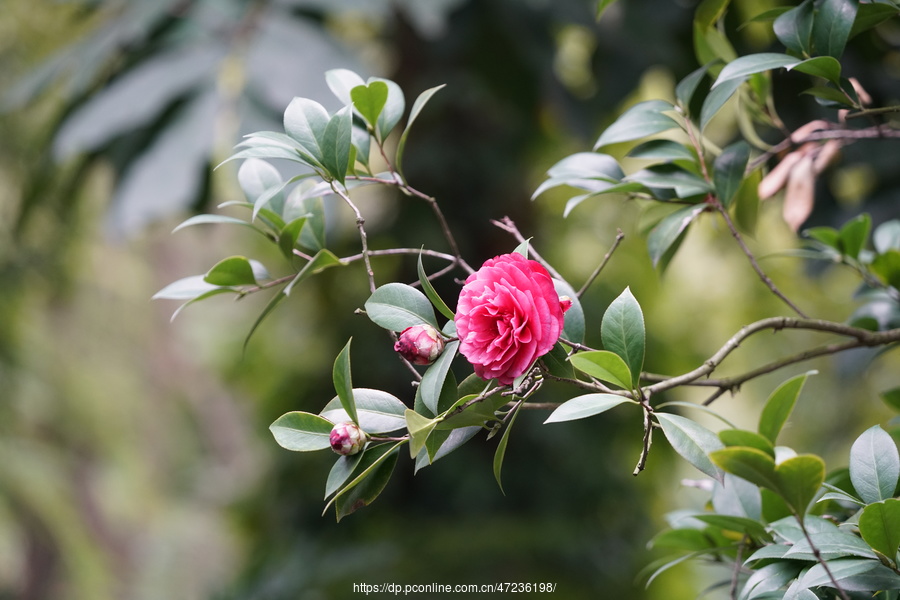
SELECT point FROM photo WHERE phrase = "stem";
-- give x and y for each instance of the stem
(863, 338)
(619, 237)
(509, 226)
(749, 254)
(360, 225)
(648, 434)
(869, 133)
(821, 561)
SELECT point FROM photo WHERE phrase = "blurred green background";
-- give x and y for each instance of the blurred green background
(135, 457)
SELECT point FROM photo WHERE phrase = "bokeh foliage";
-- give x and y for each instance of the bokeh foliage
(138, 459)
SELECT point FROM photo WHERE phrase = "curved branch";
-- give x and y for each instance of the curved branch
(862, 338)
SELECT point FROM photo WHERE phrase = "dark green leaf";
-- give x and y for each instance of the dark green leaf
(754, 465)
(728, 171)
(431, 293)
(794, 28)
(433, 379)
(369, 100)
(693, 442)
(716, 99)
(879, 526)
(642, 119)
(779, 406)
(603, 365)
(302, 431)
(500, 453)
(838, 570)
(664, 235)
(663, 150)
(343, 383)
(417, 107)
(618, 188)
(377, 411)
(573, 325)
(371, 481)
(622, 332)
(798, 479)
(770, 578)
(336, 143)
(671, 176)
(829, 96)
(474, 414)
(557, 362)
(871, 14)
(825, 67)
(742, 525)
(887, 266)
(235, 270)
(396, 306)
(827, 235)
(709, 12)
(585, 406)
(287, 239)
(340, 471)
(686, 88)
(681, 539)
(832, 26)
(741, 437)
(744, 66)
(442, 442)
(854, 234)
(874, 465)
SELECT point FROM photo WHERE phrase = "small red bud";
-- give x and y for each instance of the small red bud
(565, 303)
(347, 439)
(420, 344)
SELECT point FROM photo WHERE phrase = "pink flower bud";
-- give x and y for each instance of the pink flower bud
(565, 303)
(347, 438)
(420, 344)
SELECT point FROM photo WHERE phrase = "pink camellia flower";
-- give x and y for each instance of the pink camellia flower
(420, 344)
(508, 315)
(347, 439)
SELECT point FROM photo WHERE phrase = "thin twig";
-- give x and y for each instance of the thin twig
(360, 225)
(509, 226)
(862, 338)
(753, 262)
(619, 237)
(648, 433)
(821, 560)
(869, 133)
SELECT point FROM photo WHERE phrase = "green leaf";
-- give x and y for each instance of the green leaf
(341, 82)
(642, 119)
(475, 414)
(602, 5)
(669, 230)
(341, 470)
(681, 539)
(728, 171)
(369, 100)
(441, 443)
(741, 437)
(840, 570)
(557, 362)
(798, 479)
(622, 332)
(831, 545)
(779, 406)
(302, 431)
(396, 306)
(287, 239)
(343, 383)
(738, 497)
(887, 267)
(235, 270)
(365, 487)
(187, 288)
(603, 365)
(500, 453)
(687, 87)
(663, 150)
(751, 464)
(323, 259)
(854, 234)
(393, 110)
(256, 177)
(417, 107)
(336, 143)
(794, 28)
(832, 26)
(742, 525)
(870, 15)
(828, 96)
(585, 406)
(270, 306)
(879, 526)
(586, 165)
(671, 177)
(573, 325)
(744, 66)
(693, 442)
(433, 379)
(716, 99)
(769, 578)
(820, 66)
(431, 293)
(305, 121)
(377, 411)
(419, 428)
(215, 219)
(874, 465)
